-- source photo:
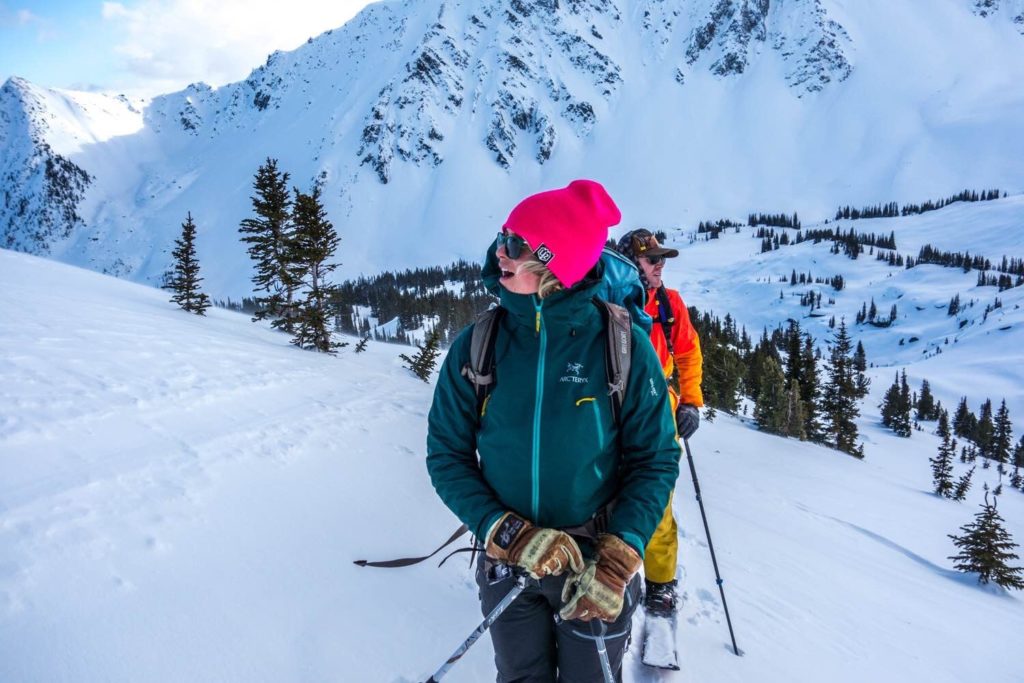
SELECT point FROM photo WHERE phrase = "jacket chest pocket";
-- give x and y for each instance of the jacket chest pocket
(590, 408)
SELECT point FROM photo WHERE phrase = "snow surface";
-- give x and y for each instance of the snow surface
(982, 359)
(181, 499)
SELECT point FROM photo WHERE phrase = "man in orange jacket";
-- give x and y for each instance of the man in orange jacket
(678, 348)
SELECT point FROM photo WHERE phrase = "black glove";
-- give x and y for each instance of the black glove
(687, 420)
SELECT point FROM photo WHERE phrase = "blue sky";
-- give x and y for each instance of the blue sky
(146, 47)
(56, 42)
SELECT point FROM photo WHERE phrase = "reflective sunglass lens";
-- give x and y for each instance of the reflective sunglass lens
(513, 245)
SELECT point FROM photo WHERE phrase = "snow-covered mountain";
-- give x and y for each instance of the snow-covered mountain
(427, 120)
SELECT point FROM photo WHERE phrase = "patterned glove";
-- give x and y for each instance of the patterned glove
(541, 552)
(598, 591)
(687, 420)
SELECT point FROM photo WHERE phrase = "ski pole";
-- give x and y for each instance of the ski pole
(602, 651)
(711, 546)
(509, 598)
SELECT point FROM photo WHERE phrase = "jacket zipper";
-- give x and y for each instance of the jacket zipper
(542, 332)
(600, 428)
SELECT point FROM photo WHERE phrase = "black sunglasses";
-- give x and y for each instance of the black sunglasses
(514, 244)
(655, 260)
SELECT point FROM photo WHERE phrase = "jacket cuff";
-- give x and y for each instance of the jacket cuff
(634, 541)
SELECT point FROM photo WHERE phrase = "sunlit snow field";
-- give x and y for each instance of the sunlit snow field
(181, 499)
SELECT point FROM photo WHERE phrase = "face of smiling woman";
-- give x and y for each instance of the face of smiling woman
(513, 277)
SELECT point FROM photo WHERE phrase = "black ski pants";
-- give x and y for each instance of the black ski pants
(529, 647)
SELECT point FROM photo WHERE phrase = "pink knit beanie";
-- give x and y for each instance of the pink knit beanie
(567, 228)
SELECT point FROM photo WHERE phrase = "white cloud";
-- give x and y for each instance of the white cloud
(163, 45)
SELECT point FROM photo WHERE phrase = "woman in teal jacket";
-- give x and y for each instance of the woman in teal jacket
(545, 457)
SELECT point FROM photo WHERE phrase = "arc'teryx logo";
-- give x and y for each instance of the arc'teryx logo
(574, 370)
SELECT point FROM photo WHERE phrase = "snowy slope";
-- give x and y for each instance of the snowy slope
(684, 110)
(981, 359)
(181, 498)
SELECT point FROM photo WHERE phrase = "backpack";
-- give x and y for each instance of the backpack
(481, 368)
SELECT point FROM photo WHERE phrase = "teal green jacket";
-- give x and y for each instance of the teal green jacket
(546, 445)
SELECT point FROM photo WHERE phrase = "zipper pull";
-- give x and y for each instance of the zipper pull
(536, 306)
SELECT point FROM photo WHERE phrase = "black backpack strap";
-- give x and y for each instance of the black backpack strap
(480, 370)
(667, 321)
(619, 328)
(665, 317)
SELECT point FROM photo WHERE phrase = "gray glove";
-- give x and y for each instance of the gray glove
(687, 420)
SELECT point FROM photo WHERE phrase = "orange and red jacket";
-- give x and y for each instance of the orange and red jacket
(685, 356)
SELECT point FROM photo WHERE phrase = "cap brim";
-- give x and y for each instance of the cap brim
(661, 251)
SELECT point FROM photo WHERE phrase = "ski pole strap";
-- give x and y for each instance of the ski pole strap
(408, 561)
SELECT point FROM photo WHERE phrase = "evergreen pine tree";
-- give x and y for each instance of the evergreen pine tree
(361, 346)
(1018, 453)
(268, 235)
(985, 429)
(954, 305)
(987, 548)
(756, 363)
(312, 249)
(184, 278)
(839, 402)
(896, 406)
(943, 429)
(809, 391)
(962, 420)
(794, 422)
(942, 468)
(860, 366)
(963, 485)
(1002, 439)
(423, 362)
(926, 403)
(794, 366)
(770, 407)
(890, 402)
(901, 419)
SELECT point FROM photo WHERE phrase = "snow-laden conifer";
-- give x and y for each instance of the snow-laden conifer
(423, 362)
(942, 467)
(839, 398)
(184, 278)
(986, 548)
(268, 234)
(311, 262)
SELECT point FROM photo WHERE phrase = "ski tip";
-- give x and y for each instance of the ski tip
(661, 665)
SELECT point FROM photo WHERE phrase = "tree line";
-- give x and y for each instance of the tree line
(777, 220)
(441, 299)
(795, 391)
(893, 210)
